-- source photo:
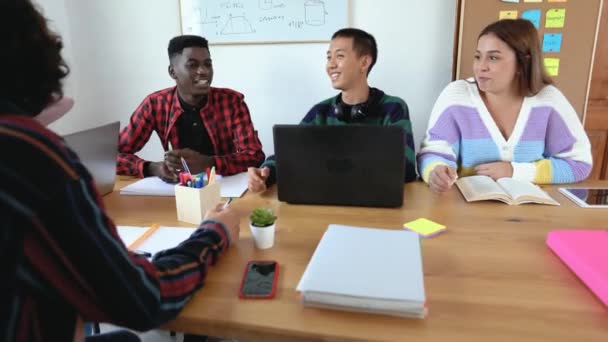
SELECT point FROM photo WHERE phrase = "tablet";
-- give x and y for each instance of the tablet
(587, 197)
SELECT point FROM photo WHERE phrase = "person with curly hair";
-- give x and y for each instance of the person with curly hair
(61, 259)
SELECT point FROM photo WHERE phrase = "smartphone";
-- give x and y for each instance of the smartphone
(260, 279)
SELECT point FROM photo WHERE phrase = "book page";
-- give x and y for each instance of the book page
(525, 192)
(478, 188)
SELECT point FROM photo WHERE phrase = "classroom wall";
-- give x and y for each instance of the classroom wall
(117, 50)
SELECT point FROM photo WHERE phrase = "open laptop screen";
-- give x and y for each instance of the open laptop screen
(97, 149)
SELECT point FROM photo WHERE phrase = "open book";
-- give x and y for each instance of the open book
(386, 279)
(508, 190)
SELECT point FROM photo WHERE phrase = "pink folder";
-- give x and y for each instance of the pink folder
(586, 253)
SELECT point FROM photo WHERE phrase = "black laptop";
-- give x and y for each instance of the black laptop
(340, 165)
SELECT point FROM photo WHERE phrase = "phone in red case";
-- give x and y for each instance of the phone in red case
(260, 279)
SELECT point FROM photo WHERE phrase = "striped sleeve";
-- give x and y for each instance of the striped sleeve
(74, 245)
(567, 150)
(440, 145)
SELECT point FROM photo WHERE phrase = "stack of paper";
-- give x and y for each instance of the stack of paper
(230, 186)
(367, 270)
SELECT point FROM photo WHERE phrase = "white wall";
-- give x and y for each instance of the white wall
(118, 53)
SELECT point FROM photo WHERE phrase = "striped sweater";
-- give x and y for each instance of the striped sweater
(393, 112)
(61, 256)
(547, 145)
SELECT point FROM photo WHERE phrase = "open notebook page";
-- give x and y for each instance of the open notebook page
(163, 238)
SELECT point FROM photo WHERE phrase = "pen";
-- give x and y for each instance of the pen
(227, 203)
(185, 165)
(142, 253)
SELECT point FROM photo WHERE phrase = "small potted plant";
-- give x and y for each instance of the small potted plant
(262, 227)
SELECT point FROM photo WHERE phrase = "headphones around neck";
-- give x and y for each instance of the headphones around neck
(358, 112)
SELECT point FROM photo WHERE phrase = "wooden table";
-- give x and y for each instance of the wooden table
(490, 277)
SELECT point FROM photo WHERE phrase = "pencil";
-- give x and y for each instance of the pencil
(143, 237)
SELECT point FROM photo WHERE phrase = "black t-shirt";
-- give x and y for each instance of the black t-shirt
(191, 130)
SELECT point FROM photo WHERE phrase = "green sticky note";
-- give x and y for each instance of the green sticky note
(425, 227)
(552, 66)
(555, 18)
(507, 15)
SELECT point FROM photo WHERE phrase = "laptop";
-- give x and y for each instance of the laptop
(340, 165)
(97, 149)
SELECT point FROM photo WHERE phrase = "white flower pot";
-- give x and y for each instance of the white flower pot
(263, 237)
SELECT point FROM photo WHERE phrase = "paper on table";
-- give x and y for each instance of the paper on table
(231, 186)
(150, 186)
(163, 238)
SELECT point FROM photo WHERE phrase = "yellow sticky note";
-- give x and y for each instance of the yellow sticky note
(507, 15)
(555, 18)
(424, 227)
(552, 66)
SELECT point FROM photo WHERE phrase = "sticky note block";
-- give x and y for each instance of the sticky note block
(552, 42)
(507, 15)
(555, 18)
(533, 0)
(552, 66)
(424, 227)
(533, 16)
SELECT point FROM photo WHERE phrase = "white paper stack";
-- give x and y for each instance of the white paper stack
(367, 270)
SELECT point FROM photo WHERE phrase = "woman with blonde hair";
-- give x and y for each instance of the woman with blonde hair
(507, 121)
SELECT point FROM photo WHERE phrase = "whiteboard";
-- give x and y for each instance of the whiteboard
(263, 21)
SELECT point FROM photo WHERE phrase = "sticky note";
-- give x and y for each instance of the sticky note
(533, 0)
(507, 15)
(533, 16)
(555, 18)
(552, 42)
(425, 227)
(552, 66)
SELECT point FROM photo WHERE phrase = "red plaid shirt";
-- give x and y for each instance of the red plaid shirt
(226, 118)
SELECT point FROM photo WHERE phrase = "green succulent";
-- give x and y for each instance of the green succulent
(262, 217)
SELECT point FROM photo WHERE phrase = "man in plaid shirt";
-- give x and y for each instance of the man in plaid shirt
(206, 126)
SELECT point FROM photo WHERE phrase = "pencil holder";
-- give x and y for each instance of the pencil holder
(193, 203)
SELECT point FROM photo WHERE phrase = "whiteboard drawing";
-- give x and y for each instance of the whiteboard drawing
(263, 21)
(265, 4)
(314, 12)
(237, 25)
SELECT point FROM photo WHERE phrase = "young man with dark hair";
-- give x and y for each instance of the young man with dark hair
(351, 55)
(207, 126)
(61, 259)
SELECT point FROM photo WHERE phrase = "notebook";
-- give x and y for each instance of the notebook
(97, 149)
(386, 279)
(340, 165)
(585, 252)
(230, 186)
(159, 238)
